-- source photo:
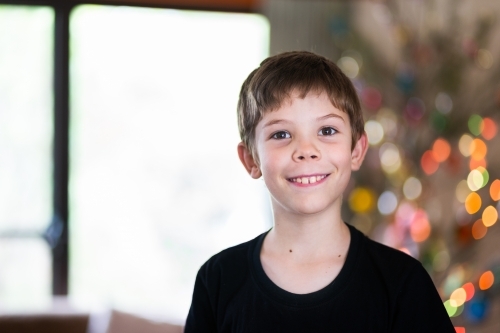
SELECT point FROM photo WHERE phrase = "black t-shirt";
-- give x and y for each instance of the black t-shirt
(379, 289)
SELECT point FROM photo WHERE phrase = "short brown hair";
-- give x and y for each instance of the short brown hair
(271, 83)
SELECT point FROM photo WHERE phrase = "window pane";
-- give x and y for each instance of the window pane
(25, 274)
(25, 117)
(156, 184)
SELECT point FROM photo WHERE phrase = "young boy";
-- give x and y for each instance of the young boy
(302, 130)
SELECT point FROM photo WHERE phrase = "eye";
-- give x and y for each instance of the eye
(326, 131)
(281, 135)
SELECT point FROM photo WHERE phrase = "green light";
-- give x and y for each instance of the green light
(485, 174)
(450, 308)
(459, 311)
(474, 123)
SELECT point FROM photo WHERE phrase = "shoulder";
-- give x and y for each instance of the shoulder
(406, 285)
(388, 257)
(387, 265)
(229, 263)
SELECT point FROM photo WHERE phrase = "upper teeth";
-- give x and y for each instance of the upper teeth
(308, 180)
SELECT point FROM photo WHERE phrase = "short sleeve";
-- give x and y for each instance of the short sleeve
(419, 307)
(201, 317)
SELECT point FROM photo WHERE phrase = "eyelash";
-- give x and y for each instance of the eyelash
(327, 128)
(278, 135)
(275, 135)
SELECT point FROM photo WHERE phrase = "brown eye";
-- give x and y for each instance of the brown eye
(281, 135)
(326, 131)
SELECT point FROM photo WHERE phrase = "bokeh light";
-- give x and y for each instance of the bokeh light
(450, 309)
(495, 190)
(441, 150)
(412, 188)
(486, 280)
(474, 124)
(459, 329)
(473, 203)
(372, 98)
(374, 132)
(462, 191)
(458, 297)
(469, 290)
(484, 59)
(474, 164)
(361, 200)
(479, 230)
(460, 309)
(441, 261)
(389, 157)
(420, 228)
(454, 280)
(464, 144)
(475, 180)
(389, 121)
(349, 66)
(443, 103)
(415, 109)
(490, 216)
(489, 129)
(428, 163)
(485, 174)
(477, 308)
(387, 203)
(405, 213)
(478, 149)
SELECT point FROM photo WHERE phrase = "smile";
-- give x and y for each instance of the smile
(308, 179)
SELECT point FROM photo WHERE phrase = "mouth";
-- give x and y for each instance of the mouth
(308, 179)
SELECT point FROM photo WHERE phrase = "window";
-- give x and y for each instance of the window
(156, 186)
(26, 135)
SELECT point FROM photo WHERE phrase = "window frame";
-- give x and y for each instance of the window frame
(56, 233)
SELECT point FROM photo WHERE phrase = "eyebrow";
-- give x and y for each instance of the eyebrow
(275, 121)
(330, 115)
(281, 121)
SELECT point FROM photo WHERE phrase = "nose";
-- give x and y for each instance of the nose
(306, 151)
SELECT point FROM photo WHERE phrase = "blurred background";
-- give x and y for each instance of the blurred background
(118, 168)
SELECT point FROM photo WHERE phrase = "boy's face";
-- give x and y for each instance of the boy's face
(304, 154)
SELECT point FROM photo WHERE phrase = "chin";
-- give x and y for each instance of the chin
(307, 207)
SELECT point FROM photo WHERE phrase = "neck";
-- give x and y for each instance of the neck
(308, 235)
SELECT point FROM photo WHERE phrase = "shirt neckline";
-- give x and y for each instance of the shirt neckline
(318, 297)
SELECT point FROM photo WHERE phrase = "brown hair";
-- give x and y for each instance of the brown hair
(269, 85)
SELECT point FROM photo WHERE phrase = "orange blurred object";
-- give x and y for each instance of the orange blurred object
(490, 216)
(441, 150)
(478, 149)
(474, 164)
(420, 228)
(473, 203)
(469, 290)
(489, 129)
(495, 190)
(486, 280)
(429, 163)
(479, 230)
(459, 329)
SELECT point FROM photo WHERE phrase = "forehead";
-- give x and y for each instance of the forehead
(314, 103)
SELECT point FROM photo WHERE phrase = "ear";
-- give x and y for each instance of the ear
(359, 152)
(248, 161)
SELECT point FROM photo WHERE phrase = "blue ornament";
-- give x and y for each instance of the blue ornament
(477, 308)
(405, 81)
(339, 26)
